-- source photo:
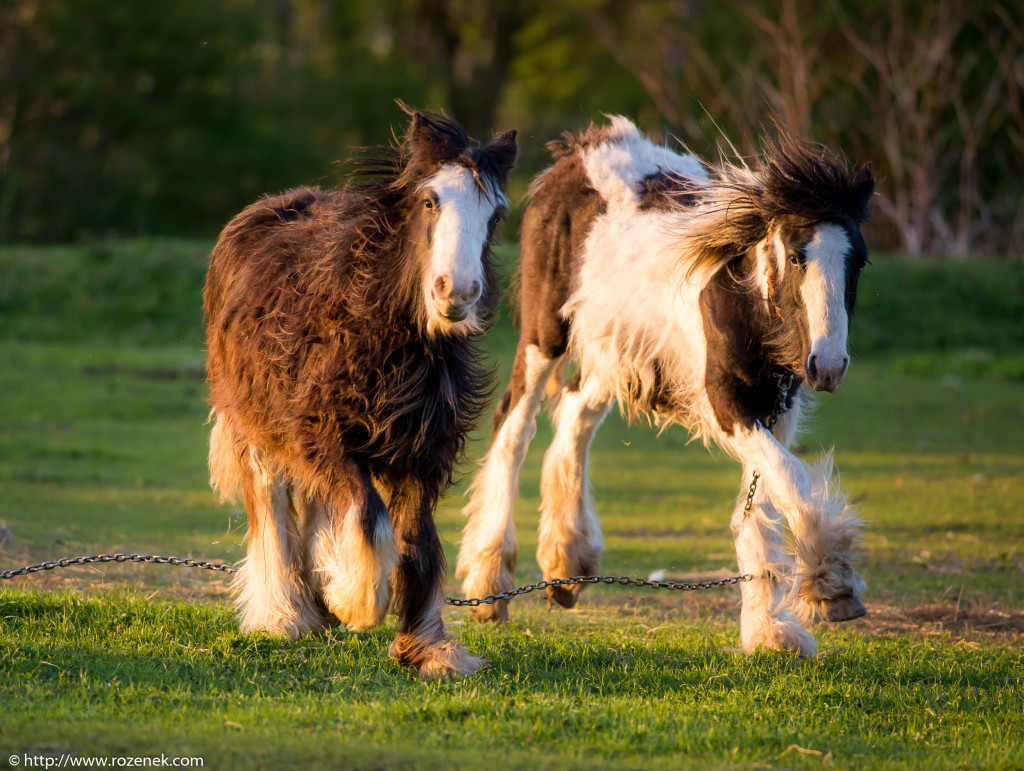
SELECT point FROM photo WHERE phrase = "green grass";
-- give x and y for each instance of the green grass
(102, 448)
(618, 689)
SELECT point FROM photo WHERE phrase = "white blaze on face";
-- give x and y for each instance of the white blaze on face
(455, 276)
(824, 295)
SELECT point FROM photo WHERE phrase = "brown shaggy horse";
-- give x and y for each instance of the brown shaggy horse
(344, 378)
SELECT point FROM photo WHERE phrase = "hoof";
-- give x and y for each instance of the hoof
(494, 576)
(785, 637)
(566, 596)
(842, 608)
(451, 670)
(439, 658)
(308, 620)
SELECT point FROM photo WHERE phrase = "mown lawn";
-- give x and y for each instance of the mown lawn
(102, 448)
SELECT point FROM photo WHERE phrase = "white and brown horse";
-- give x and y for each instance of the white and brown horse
(681, 289)
(344, 378)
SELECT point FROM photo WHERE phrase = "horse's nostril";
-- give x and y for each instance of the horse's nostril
(443, 286)
(812, 367)
(474, 289)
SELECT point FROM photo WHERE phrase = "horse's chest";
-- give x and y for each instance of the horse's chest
(407, 405)
(737, 374)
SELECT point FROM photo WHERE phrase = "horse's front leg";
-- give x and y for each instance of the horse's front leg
(765, 619)
(823, 525)
(422, 642)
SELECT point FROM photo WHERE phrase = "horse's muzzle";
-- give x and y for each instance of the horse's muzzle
(453, 301)
(824, 374)
(455, 313)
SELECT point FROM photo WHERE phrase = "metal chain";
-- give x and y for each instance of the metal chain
(490, 599)
(472, 601)
(71, 561)
(750, 495)
(785, 380)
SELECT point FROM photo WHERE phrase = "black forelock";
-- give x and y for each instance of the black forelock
(801, 179)
(385, 173)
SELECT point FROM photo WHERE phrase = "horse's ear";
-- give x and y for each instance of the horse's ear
(428, 138)
(504, 150)
(863, 189)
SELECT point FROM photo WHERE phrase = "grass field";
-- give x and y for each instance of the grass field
(102, 448)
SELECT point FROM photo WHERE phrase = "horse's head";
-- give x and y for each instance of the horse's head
(797, 212)
(455, 196)
(809, 273)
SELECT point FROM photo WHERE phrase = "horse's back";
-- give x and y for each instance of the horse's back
(607, 178)
(267, 257)
(277, 225)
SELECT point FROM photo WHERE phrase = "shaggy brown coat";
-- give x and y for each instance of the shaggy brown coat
(318, 357)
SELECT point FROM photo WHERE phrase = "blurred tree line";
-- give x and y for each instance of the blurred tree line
(121, 117)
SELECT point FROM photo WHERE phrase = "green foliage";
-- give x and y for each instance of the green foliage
(167, 119)
(908, 307)
(152, 118)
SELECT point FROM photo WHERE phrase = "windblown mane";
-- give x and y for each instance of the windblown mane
(384, 174)
(792, 177)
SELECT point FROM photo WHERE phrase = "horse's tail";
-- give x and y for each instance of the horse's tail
(225, 462)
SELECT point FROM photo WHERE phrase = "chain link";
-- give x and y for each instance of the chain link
(784, 378)
(490, 599)
(750, 494)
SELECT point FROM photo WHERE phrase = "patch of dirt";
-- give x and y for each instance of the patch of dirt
(966, 621)
(961, 622)
(153, 581)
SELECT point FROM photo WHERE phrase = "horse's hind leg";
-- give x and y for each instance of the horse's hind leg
(570, 541)
(269, 587)
(351, 551)
(422, 641)
(487, 557)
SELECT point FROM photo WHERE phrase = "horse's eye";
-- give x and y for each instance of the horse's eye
(428, 203)
(794, 258)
